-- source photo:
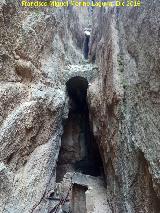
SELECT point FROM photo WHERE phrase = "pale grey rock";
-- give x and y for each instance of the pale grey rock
(39, 53)
(127, 94)
(87, 71)
(34, 51)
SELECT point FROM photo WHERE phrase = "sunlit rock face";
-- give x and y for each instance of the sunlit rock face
(125, 104)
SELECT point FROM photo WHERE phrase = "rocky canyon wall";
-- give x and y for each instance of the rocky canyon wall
(36, 46)
(125, 104)
(40, 50)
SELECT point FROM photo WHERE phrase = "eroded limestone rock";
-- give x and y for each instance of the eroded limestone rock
(34, 51)
(124, 104)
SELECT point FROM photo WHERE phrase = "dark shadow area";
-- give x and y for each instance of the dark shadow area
(79, 198)
(77, 92)
(79, 151)
(86, 46)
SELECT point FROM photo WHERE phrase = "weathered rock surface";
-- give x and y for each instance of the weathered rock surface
(40, 51)
(125, 104)
(94, 192)
(36, 46)
(96, 196)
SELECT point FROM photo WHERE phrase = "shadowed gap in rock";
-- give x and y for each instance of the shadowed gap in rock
(79, 151)
(86, 45)
(79, 198)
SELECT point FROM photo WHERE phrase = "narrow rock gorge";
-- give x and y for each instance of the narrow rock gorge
(79, 109)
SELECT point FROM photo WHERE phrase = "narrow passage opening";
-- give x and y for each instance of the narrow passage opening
(86, 43)
(79, 198)
(79, 151)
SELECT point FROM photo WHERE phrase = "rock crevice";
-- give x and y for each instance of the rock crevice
(80, 91)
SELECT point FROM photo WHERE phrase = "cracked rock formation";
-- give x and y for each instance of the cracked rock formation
(40, 50)
(36, 46)
(125, 104)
